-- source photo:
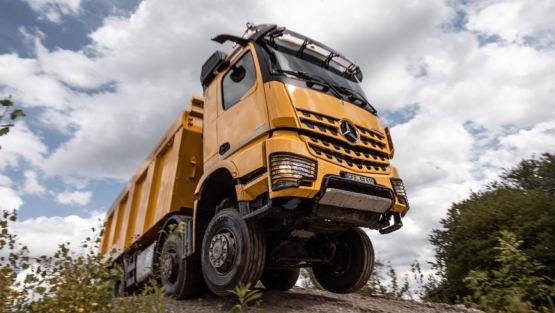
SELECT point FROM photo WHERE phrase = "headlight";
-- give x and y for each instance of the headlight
(290, 170)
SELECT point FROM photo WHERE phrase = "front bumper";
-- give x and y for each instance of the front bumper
(371, 214)
(344, 193)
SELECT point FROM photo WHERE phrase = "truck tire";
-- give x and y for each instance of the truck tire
(118, 286)
(352, 264)
(179, 276)
(119, 289)
(233, 252)
(282, 280)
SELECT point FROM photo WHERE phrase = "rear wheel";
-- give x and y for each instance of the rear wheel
(233, 252)
(119, 288)
(351, 266)
(179, 276)
(280, 279)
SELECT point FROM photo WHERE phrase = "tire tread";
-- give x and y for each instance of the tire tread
(367, 266)
(282, 280)
(255, 249)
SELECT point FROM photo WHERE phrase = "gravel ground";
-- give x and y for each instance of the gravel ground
(313, 301)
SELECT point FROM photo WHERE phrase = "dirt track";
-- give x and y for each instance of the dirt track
(308, 300)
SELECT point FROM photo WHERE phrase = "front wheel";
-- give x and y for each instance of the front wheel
(233, 252)
(351, 266)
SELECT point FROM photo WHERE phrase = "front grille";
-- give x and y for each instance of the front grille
(322, 135)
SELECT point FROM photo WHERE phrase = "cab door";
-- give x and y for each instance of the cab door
(242, 113)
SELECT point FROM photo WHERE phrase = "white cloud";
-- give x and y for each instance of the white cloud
(9, 199)
(70, 67)
(42, 235)
(521, 145)
(520, 21)
(25, 80)
(74, 197)
(77, 182)
(32, 185)
(21, 144)
(5, 180)
(533, 140)
(53, 10)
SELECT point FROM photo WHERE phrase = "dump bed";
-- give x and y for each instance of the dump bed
(164, 183)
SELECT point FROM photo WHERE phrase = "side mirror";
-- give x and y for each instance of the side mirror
(237, 74)
(214, 63)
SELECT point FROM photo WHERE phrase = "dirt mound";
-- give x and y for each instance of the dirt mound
(313, 301)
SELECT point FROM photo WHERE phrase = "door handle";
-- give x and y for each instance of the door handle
(224, 148)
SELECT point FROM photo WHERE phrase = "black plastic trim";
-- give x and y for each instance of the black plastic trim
(255, 174)
(221, 39)
(261, 33)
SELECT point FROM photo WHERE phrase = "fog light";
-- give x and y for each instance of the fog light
(288, 171)
(399, 189)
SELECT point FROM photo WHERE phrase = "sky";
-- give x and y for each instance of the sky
(466, 87)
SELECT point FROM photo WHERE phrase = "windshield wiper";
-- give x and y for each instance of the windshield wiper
(312, 80)
(355, 95)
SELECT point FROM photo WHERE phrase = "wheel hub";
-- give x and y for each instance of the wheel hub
(169, 266)
(343, 259)
(222, 251)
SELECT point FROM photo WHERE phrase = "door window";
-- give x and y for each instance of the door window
(238, 80)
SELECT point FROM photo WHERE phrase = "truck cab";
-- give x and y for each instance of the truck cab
(291, 163)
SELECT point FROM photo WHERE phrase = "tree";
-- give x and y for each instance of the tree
(521, 202)
(387, 284)
(9, 110)
(515, 285)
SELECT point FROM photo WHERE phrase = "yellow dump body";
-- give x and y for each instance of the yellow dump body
(164, 183)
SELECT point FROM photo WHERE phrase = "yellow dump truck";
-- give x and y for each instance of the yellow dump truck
(277, 168)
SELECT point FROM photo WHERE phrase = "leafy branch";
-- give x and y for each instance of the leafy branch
(9, 111)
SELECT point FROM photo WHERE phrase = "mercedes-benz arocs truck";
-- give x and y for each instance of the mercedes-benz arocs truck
(279, 166)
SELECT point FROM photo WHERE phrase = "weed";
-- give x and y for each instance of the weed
(245, 295)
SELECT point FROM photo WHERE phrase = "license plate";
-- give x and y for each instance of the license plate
(358, 178)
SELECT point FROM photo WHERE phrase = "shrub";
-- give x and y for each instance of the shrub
(516, 286)
(67, 281)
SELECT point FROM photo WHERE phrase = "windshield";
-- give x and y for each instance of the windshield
(284, 56)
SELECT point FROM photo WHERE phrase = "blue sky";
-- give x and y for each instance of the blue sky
(466, 88)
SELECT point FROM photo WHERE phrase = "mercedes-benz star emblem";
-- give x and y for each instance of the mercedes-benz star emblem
(349, 131)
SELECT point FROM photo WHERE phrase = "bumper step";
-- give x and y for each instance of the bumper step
(397, 224)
